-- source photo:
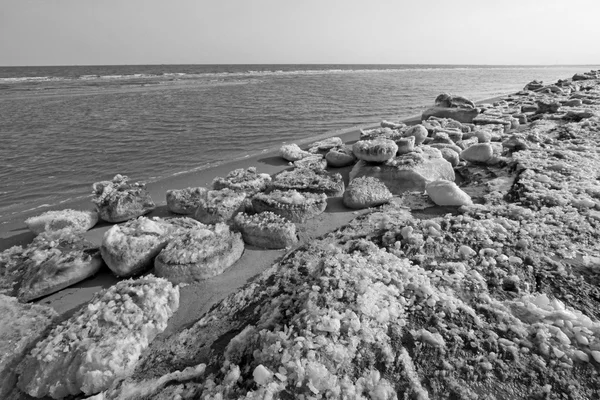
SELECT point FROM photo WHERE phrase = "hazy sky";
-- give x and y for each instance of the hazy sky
(65, 32)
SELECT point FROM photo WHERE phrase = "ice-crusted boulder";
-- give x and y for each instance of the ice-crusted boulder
(293, 152)
(409, 172)
(341, 156)
(102, 342)
(365, 192)
(199, 253)
(21, 325)
(266, 230)
(446, 193)
(419, 132)
(290, 204)
(76, 220)
(450, 106)
(119, 200)
(185, 201)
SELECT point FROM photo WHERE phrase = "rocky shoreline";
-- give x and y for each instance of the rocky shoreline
(483, 289)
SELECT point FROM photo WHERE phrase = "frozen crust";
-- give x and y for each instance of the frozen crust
(185, 201)
(100, 343)
(366, 192)
(292, 152)
(310, 180)
(118, 200)
(220, 206)
(378, 150)
(53, 261)
(244, 180)
(21, 325)
(199, 254)
(290, 204)
(266, 230)
(128, 249)
(78, 221)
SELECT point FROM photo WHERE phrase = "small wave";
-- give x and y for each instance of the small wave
(29, 79)
(274, 72)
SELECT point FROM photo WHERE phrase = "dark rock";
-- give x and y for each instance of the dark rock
(453, 101)
(549, 106)
(458, 114)
(534, 85)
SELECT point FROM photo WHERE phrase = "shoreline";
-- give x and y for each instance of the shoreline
(15, 225)
(254, 260)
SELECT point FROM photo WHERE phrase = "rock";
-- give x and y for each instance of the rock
(315, 162)
(266, 230)
(483, 136)
(466, 143)
(77, 221)
(573, 103)
(578, 115)
(522, 118)
(418, 132)
(453, 101)
(534, 85)
(447, 193)
(119, 200)
(292, 152)
(505, 121)
(450, 155)
(100, 342)
(325, 144)
(409, 172)
(185, 201)
(220, 206)
(340, 157)
(441, 137)
(22, 326)
(290, 204)
(379, 133)
(478, 153)
(527, 108)
(450, 146)
(454, 134)
(244, 180)
(199, 254)
(128, 249)
(392, 125)
(405, 145)
(365, 192)
(309, 180)
(585, 76)
(552, 89)
(547, 106)
(495, 132)
(378, 150)
(458, 114)
(515, 143)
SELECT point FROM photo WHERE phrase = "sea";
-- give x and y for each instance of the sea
(64, 127)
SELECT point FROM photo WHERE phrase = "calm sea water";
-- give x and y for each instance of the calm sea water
(63, 128)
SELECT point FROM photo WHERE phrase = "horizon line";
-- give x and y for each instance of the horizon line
(315, 64)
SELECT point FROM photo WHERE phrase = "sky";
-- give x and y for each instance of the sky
(107, 32)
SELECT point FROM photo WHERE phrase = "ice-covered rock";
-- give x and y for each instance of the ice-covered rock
(366, 192)
(409, 172)
(446, 193)
(478, 153)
